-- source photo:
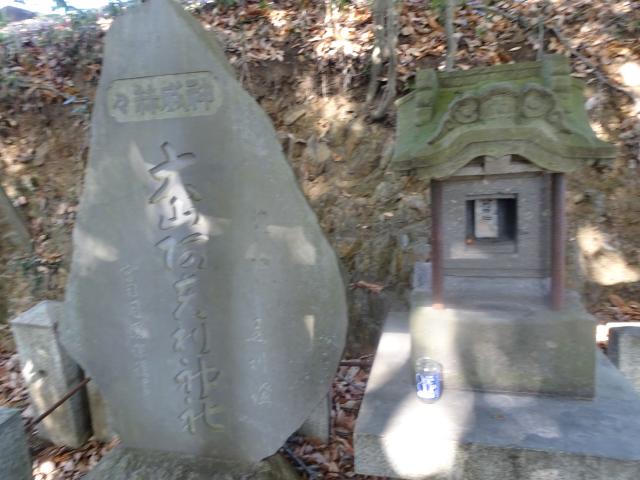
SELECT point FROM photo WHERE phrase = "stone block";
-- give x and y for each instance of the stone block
(13, 226)
(481, 292)
(470, 435)
(50, 373)
(203, 297)
(624, 350)
(509, 347)
(100, 417)
(15, 461)
(525, 255)
(421, 278)
(319, 422)
(131, 464)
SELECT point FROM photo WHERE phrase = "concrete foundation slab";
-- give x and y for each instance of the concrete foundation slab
(470, 435)
(15, 463)
(132, 464)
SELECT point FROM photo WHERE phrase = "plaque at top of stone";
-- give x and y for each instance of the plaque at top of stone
(204, 299)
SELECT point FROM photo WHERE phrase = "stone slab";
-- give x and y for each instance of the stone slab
(624, 349)
(470, 435)
(204, 299)
(100, 417)
(49, 373)
(131, 464)
(318, 425)
(15, 461)
(12, 225)
(476, 292)
(507, 346)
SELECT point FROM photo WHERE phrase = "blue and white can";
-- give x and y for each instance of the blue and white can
(428, 379)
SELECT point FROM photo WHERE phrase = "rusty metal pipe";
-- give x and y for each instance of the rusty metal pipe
(436, 245)
(558, 240)
(55, 406)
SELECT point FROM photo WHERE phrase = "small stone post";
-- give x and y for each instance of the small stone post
(49, 373)
(624, 349)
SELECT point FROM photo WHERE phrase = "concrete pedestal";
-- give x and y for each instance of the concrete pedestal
(130, 464)
(470, 435)
(507, 346)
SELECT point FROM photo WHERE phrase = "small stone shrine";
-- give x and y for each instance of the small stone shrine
(204, 300)
(526, 395)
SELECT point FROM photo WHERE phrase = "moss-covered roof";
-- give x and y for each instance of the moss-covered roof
(534, 109)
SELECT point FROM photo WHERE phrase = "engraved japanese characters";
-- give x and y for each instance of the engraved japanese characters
(204, 299)
(163, 96)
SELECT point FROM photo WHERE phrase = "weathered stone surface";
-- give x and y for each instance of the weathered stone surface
(624, 350)
(533, 109)
(501, 345)
(318, 425)
(15, 462)
(12, 225)
(421, 278)
(100, 417)
(50, 373)
(203, 299)
(526, 255)
(479, 436)
(131, 464)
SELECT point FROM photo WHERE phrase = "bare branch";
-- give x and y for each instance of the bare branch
(563, 39)
(567, 43)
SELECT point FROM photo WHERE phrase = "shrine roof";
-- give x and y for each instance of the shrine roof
(533, 109)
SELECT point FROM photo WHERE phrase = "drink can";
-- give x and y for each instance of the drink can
(428, 379)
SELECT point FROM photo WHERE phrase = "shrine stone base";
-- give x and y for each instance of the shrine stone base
(132, 464)
(507, 346)
(470, 435)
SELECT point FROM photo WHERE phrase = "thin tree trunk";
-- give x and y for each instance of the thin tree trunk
(391, 41)
(377, 56)
(452, 39)
(541, 29)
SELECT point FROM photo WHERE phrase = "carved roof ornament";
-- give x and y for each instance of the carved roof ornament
(534, 109)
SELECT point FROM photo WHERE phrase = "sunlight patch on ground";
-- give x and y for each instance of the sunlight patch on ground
(602, 262)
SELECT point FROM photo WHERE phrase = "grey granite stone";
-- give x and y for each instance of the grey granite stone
(503, 346)
(50, 373)
(318, 425)
(421, 278)
(12, 225)
(478, 436)
(131, 464)
(15, 462)
(526, 255)
(100, 417)
(203, 299)
(478, 292)
(624, 349)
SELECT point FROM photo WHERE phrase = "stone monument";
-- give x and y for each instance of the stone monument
(204, 299)
(525, 395)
